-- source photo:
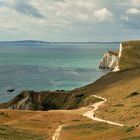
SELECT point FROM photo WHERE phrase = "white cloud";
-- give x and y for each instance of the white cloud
(103, 15)
(133, 11)
(48, 17)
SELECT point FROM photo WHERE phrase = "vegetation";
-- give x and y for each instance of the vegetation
(92, 127)
(10, 133)
(128, 129)
(133, 94)
(91, 99)
(130, 55)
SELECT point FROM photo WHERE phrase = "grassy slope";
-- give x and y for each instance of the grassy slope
(11, 133)
(130, 55)
(31, 125)
(123, 106)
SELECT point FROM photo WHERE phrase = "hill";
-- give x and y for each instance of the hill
(130, 55)
(25, 42)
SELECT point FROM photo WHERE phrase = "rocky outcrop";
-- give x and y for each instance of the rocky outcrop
(31, 100)
(45, 100)
(109, 60)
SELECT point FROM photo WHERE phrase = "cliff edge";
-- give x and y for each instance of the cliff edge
(126, 58)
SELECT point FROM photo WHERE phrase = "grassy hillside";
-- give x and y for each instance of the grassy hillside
(11, 133)
(130, 55)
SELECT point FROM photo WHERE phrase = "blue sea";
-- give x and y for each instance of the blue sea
(49, 66)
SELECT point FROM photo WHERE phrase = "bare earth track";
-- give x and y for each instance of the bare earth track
(89, 114)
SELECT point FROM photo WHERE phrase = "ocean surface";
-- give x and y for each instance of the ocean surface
(49, 66)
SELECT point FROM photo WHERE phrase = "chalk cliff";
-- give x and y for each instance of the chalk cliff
(109, 60)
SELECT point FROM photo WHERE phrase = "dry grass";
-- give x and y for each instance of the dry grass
(130, 55)
(39, 124)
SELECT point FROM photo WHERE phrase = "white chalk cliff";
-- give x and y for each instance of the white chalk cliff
(110, 60)
(116, 68)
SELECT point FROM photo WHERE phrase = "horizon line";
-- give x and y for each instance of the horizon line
(33, 40)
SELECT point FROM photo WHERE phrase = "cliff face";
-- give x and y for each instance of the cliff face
(31, 100)
(117, 68)
(45, 100)
(127, 58)
(109, 60)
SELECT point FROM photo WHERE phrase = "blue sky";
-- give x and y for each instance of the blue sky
(70, 20)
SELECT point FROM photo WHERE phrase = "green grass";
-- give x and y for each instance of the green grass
(11, 133)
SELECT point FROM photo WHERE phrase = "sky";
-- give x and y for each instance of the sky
(70, 20)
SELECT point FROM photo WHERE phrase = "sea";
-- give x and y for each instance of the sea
(36, 65)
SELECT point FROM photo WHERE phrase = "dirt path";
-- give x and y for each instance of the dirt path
(57, 132)
(91, 114)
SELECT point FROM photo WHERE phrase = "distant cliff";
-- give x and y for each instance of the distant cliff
(127, 57)
(109, 60)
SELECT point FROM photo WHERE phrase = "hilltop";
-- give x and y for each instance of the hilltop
(130, 55)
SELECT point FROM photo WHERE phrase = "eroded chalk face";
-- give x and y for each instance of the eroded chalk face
(110, 60)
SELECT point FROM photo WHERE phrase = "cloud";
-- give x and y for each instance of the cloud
(24, 7)
(135, 3)
(103, 15)
(62, 19)
(133, 11)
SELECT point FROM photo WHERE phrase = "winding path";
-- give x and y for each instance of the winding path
(91, 114)
(57, 132)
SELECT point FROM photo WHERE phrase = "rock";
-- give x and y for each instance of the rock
(10, 90)
(109, 60)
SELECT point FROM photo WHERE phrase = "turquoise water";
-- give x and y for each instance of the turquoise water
(43, 66)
